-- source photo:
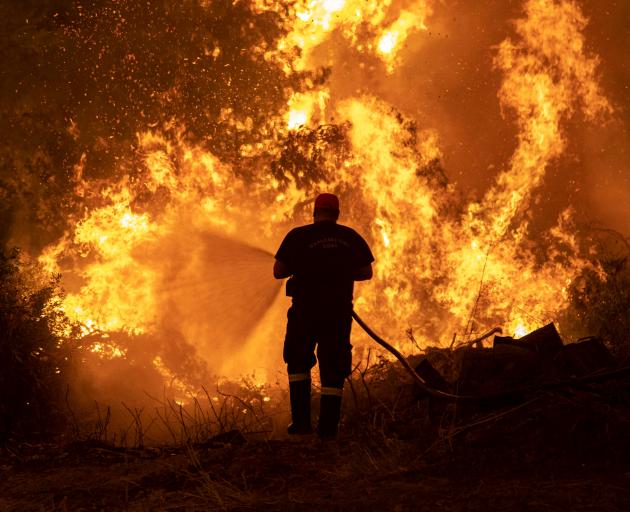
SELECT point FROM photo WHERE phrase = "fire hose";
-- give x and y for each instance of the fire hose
(443, 395)
(419, 380)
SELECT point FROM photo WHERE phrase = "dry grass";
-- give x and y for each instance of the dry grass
(555, 450)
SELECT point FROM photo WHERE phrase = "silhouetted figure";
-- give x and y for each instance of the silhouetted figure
(323, 260)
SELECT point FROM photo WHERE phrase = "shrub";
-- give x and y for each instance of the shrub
(35, 349)
(600, 306)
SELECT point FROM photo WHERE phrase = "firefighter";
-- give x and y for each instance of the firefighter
(322, 260)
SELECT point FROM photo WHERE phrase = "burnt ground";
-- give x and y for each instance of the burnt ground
(555, 451)
(304, 475)
(562, 447)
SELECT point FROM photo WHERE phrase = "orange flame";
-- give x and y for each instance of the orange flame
(441, 268)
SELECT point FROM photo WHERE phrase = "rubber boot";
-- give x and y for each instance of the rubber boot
(329, 415)
(300, 398)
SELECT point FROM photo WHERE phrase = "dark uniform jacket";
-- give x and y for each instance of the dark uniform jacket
(323, 258)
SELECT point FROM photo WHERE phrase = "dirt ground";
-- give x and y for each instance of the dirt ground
(301, 475)
(564, 449)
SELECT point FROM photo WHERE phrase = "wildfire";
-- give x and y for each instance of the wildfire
(361, 23)
(307, 109)
(520, 331)
(108, 350)
(443, 266)
(390, 42)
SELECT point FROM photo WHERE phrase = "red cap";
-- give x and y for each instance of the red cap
(327, 201)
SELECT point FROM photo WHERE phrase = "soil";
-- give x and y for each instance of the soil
(548, 449)
(302, 475)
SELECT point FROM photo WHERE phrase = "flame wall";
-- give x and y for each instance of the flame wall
(467, 141)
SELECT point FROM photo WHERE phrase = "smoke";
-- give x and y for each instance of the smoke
(604, 152)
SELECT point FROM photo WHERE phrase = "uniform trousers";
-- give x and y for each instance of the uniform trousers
(323, 330)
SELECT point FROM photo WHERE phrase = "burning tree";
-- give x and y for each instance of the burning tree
(142, 140)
